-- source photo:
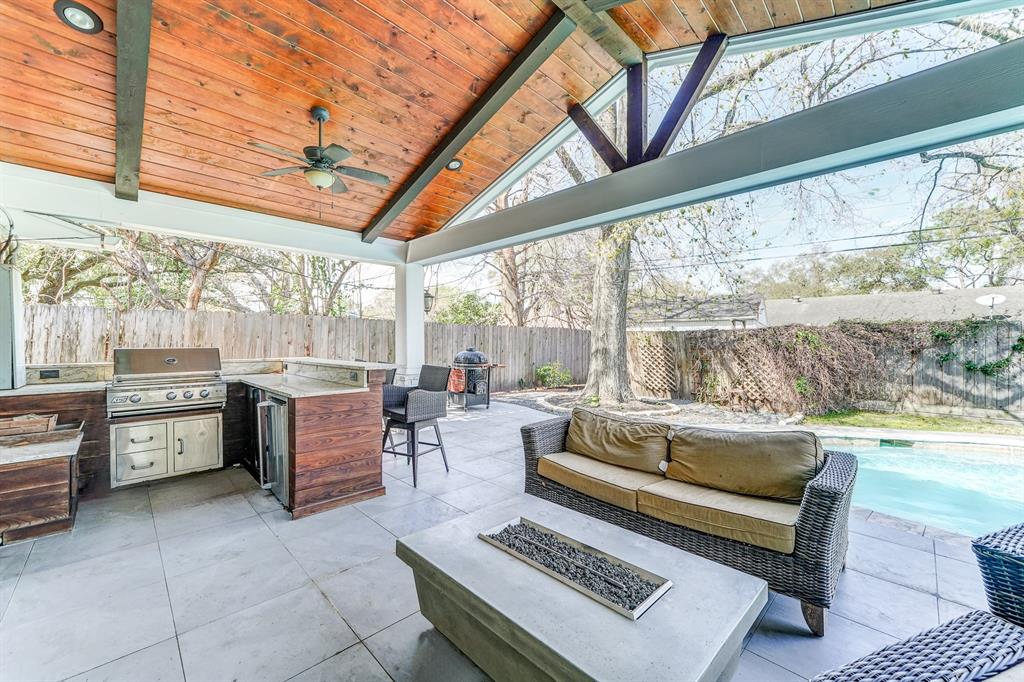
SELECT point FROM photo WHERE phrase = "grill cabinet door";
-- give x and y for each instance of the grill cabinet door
(196, 443)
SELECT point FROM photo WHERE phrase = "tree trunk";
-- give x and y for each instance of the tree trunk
(608, 378)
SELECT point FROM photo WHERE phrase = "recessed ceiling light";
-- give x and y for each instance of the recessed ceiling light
(454, 165)
(78, 16)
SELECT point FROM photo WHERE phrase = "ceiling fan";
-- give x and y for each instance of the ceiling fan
(321, 167)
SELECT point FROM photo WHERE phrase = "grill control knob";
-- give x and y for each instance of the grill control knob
(135, 397)
(186, 395)
(204, 393)
(171, 395)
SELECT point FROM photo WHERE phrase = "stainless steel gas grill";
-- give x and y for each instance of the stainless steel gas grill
(157, 380)
(165, 408)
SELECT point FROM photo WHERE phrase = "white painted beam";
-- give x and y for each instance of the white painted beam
(975, 96)
(410, 328)
(29, 190)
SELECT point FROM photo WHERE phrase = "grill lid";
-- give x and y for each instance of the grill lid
(155, 362)
(470, 356)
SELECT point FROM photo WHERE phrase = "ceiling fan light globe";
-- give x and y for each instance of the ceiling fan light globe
(318, 177)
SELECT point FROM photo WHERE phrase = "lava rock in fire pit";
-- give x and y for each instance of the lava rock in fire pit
(597, 574)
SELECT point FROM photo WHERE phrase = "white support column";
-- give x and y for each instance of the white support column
(410, 331)
(12, 336)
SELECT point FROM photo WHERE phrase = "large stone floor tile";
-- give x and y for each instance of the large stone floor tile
(893, 609)
(412, 650)
(400, 468)
(211, 592)
(417, 516)
(891, 534)
(73, 642)
(83, 584)
(948, 610)
(354, 664)
(896, 563)
(397, 494)
(13, 558)
(270, 642)
(348, 544)
(476, 496)
(88, 542)
(374, 595)
(263, 501)
(753, 668)
(955, 548)
(515, 455)
(961, 582)
(157, 663)
(193, 489)
(515, 481)
(441, 481)
(287, 528)
(206, 514)
(192, 551)
(783, 638)
(487, 468)
(119, 505)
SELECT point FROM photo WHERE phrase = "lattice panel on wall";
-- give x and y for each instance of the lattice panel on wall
(655, 357)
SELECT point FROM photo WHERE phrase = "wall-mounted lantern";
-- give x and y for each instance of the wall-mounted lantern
(428, 301)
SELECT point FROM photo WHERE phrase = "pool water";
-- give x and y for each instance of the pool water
(967, 492)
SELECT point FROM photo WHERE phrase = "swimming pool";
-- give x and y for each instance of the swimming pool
(970, 492)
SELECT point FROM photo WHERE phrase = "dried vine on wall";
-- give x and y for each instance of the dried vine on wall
(797, 368)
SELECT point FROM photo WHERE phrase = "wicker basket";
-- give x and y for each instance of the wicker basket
(1001, 559)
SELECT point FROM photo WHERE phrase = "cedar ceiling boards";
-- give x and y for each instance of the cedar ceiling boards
(396, 75)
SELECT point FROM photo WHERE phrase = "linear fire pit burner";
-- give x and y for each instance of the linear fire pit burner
(619, 585)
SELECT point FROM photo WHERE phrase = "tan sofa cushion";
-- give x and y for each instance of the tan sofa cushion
(754, 520)
(773, 464)
(612, 484)
(635, 444)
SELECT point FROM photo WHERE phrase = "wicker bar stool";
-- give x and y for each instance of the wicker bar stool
(1001, 560)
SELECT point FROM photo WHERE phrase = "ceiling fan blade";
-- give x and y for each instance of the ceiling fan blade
(335, 153)
(283, 171)
(338, 187)
(364, 175)
(276, 150)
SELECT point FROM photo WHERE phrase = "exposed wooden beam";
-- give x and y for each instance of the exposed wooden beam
(975, 96)
(636, 112)
(605, 32)
(554, 32)
(134, 18)
(689, 92)
(601, 143)
(604, 5)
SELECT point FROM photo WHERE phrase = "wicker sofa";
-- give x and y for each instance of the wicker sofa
(809, 571)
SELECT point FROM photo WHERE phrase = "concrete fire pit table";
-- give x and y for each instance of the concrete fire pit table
(518, 623)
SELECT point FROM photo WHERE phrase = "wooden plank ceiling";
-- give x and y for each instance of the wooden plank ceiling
(396, 75)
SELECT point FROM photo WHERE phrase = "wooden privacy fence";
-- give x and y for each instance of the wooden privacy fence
(662, 364)
(67, 334)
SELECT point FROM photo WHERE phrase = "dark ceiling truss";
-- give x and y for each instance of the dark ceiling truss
(638, 150)
(555, 31)
(134, 18)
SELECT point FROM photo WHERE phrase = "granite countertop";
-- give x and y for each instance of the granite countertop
(28, 452)
(292, 386)
(47, 389)
(353, 364)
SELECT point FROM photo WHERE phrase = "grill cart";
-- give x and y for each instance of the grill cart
(470, 382)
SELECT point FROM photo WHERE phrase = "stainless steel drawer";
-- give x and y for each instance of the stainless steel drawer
(139, 437)
(141, 465)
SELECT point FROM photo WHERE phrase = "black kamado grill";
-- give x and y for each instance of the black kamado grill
(470, 382)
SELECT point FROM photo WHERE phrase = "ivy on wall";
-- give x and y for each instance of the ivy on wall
(952, 333)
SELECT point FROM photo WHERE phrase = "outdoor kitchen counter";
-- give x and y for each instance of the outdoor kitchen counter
(292, 386)
(50, 389)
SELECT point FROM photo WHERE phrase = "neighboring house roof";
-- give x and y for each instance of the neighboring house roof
(923, 306)
(715, 308)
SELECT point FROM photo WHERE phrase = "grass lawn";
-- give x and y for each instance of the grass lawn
(913, 422)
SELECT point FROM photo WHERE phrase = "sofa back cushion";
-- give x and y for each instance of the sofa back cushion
(772, 464)
(637, 445)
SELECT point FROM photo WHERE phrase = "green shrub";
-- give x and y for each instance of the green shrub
(802, 385)
(552, 374)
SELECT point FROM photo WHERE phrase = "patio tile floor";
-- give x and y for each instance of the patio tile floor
(206, 578)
